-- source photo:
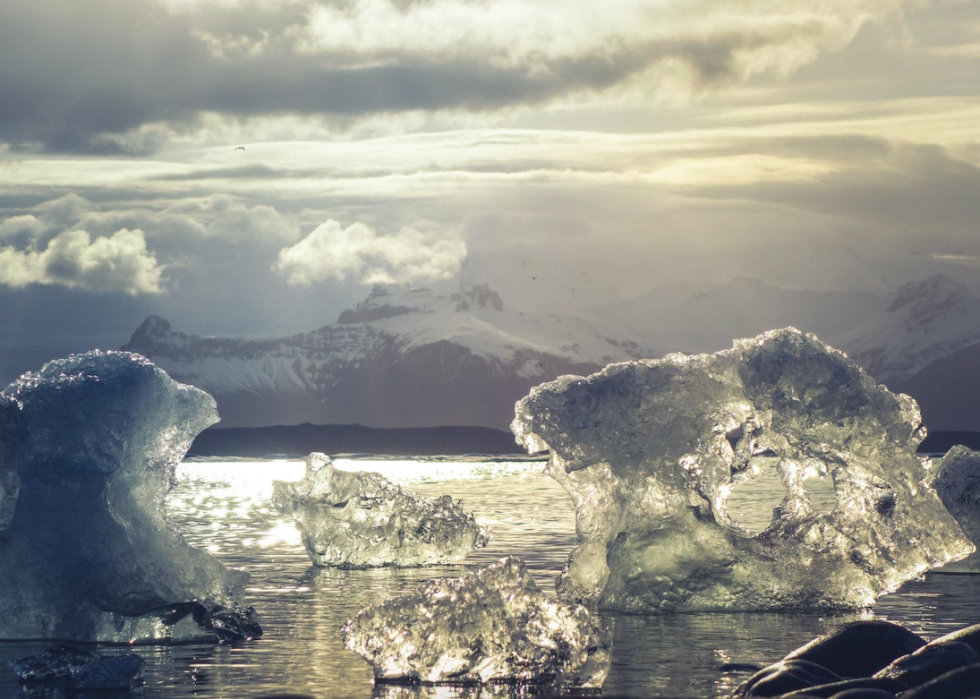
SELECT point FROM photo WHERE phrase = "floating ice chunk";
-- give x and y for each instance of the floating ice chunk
(357, 519)
(182, 622)
(88, 552)
(71, 670)
(650, 450)
(493, 625)
(958, 484)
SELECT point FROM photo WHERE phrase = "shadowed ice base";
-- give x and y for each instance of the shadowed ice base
(225, 508)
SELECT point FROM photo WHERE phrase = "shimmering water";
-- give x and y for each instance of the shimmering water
(224, 507)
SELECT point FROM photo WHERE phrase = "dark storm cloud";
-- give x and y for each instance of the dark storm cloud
(78, 80)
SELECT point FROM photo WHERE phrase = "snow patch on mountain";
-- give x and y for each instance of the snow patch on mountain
(924, 322)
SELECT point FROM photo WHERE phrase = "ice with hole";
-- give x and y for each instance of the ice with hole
(958, 484)
(359, 519)
(88, 450)
(650, 452)
(491, 626)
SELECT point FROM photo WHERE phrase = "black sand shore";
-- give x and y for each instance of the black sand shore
(299, 440)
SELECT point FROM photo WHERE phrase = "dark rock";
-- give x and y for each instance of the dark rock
(864, 694)
(238, 624)
(69, 668)
(958, 684)
(824, 691)
(929, 662)
(784, 677)
(859, 649)
(970, 636)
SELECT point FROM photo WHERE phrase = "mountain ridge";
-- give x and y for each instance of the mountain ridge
(408, 357)
(403, 357)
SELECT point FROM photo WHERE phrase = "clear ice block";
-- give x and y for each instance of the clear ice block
(958, 484)
(88, 450)
(492, 625)
(358, 519)
(649, 452)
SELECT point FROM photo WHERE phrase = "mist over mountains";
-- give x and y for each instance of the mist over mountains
(410, 357)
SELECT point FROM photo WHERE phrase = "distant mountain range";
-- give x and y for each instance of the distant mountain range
(411, 358)
(708, 319)
(927, 344)
(401, 358)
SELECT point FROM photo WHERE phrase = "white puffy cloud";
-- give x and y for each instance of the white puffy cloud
(118, 263)
(358, 252)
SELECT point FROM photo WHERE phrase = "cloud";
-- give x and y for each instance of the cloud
(958, 259)
(64, 211)
(20, 230)
(358, 252)
(355, 60)
(119, 263)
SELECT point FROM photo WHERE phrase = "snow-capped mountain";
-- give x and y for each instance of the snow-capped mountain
(401, 358)
(413, 358)
(924, 322)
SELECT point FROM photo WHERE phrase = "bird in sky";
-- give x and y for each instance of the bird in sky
(240, 148)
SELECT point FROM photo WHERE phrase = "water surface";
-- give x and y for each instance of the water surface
(224, 508)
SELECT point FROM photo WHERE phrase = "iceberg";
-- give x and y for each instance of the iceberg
(649, 452)
(358, 519)
(491, 626)
(88, 450)
(958, 484)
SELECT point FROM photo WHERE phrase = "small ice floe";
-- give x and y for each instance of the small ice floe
(88, 450)
(69, 669)
(650, 451)
(958, 484)
(491, 626)
(357, 519)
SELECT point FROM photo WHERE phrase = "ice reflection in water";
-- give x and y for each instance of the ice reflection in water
(225, 508)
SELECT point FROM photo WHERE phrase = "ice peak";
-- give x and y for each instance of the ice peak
(154, 334)
(154, 326)
(387, 301)
(928, 297)
(478, 297)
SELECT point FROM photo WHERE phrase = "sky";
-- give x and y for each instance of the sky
(252, 167)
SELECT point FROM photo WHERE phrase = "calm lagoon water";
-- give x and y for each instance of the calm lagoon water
(224, 507)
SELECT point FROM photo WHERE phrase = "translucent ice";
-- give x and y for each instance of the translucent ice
(493, 625)
(88, 449)
(958, 485)
(649, 452)
(357, 519)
